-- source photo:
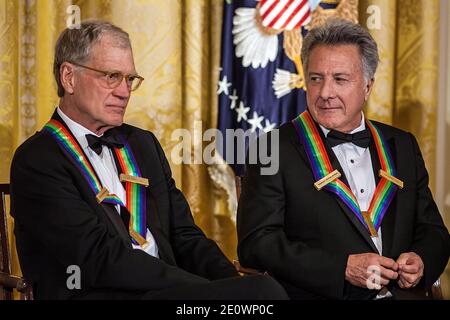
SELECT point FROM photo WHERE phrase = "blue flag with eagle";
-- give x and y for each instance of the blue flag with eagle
(261, 82)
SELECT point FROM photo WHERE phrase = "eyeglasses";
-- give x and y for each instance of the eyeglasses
(114, 78)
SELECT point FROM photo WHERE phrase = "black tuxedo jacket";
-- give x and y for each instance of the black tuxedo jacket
(303, 237)
(58, 223)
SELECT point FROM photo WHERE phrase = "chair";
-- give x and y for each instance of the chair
(242, 270)
(435, 293)
(9, 282)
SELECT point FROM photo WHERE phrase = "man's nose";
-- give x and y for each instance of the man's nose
(327, 90)
(122, 90)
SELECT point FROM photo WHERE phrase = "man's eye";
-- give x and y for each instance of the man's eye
(341, 80)
(114, 76)
(315, 79)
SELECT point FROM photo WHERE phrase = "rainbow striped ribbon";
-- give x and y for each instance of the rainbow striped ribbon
(385, 191)
(135, 194)
(321, 166)
(69, 144)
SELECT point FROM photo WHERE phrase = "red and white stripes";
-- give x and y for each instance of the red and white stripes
(284, 14)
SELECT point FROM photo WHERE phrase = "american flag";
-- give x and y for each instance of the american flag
(246, 97)
(284, 14)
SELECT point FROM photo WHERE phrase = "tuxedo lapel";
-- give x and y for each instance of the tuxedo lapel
(117, 221)
(298, 146)
(388, 224)
(154, 224)
(335, 164)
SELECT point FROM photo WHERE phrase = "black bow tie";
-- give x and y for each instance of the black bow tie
(109, 140)
(361, 138)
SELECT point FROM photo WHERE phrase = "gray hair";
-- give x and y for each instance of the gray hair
(343, 32)
(74, 45)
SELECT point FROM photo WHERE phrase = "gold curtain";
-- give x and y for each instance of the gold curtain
(406, 84)
(27, 88)
(405, 93)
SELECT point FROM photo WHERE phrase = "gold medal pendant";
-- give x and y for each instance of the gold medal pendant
(366, 216)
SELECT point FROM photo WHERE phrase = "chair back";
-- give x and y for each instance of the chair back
(9, 282)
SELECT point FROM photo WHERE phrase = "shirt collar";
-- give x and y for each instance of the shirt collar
(78, 131)
(361, 127)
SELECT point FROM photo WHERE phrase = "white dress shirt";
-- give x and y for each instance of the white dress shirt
(357, 165)
(106, 170)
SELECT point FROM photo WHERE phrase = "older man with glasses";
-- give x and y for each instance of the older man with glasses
(94, 198)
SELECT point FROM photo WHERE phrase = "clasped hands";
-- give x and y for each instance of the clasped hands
(370, 270)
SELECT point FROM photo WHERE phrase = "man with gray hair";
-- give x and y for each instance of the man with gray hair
(349, 215)
(97, 213)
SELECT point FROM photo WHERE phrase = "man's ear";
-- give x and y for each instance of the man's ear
(67, 76)
(368, 88)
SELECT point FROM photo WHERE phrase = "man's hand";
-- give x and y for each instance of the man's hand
(410, 270)
(360, 267)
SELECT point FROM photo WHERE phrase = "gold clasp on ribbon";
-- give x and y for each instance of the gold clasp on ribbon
(373, 232)
(134, 179)
(392, 179)
(327, 179)
(102, 195)
(139, 239)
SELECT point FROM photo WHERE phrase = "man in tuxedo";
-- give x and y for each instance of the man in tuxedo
(349, 214)
(94, 198)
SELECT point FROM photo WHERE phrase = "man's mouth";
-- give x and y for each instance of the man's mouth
(328, 107)
(115, 106)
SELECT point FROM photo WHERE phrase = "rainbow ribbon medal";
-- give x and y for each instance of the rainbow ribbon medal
(135, 192)
(328, 179)
(134, 184)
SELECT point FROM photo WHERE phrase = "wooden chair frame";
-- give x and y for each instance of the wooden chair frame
(8, 281)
